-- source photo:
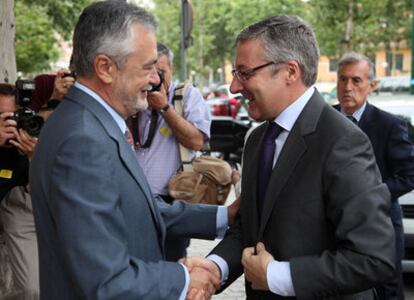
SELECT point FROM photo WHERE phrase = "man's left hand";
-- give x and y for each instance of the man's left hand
(255, 264)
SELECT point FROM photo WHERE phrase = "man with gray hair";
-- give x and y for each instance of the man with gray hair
(101, 232)
(393, 150)
(308, 226)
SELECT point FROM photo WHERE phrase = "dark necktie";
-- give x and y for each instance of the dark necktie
(353, 120)
(266, 161)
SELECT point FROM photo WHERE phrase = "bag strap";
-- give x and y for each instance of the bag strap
(178, 100)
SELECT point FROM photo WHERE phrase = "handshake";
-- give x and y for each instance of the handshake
(205, 277)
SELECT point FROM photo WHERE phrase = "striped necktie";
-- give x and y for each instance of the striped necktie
(129, 138)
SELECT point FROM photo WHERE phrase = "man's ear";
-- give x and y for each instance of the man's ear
(293, 72)
(373, 85)
(105, 68)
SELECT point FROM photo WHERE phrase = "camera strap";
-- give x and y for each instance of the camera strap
(134, 126)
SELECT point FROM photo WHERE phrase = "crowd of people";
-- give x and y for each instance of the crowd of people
(85, 208)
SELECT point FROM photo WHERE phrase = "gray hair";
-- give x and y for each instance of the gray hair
(287, 38)
(164, 50)
(353, 58)
(106, 28)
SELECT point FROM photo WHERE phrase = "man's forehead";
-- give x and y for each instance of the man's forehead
(7, 103)
(248, 53)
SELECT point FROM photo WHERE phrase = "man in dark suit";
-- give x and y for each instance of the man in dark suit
(393, 150)
(100, 230)
(317, 226)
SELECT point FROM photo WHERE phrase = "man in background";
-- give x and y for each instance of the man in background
(393, 150)
(158, 148)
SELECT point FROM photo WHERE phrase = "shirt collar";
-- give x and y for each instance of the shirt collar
(358, 113)
(288, 117)
(115, 115)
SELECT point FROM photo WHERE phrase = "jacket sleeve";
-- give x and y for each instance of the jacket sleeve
(400, 161)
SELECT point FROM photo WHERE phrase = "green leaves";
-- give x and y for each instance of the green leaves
(38, 26)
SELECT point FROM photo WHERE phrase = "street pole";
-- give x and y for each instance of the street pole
(412, 49)
(183, 66)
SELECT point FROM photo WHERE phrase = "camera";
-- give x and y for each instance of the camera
(71, 74)
(24, 92)
(28, 120)
(157, 88)
(25, 117)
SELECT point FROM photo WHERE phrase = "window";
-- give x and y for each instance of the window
(399, 58)
(333, 65)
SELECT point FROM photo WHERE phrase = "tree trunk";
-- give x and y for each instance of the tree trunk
(347, 41)
(7, 36)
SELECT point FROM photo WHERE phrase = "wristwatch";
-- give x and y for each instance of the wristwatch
(164, 109)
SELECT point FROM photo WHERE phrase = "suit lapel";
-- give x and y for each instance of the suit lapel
(293, 149)
(367, 121)
(250, 178)
(125, 152)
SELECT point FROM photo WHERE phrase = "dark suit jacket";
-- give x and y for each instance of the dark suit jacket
(100, 230)
(325, 211)
(393, 150)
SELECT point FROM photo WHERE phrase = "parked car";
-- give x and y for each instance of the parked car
(227, 137)
(394, 84)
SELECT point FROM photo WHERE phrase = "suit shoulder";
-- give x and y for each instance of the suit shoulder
(385, 116)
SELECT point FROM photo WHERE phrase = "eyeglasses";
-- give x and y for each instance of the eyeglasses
(244, 75)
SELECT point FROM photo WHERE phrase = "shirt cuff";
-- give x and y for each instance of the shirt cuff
(222, 264)
(221, 221)
(187, 283)
(279, 278)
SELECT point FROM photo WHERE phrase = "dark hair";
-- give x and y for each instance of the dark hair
(106, 28)
(7, 89)
(286, 38)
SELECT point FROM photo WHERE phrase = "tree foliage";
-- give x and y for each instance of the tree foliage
(38, 24)
(340, 25)
(216, 25)
(35, 45)
(359, 25)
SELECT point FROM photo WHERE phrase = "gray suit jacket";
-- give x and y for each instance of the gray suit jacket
(325, 211)
(100, 230)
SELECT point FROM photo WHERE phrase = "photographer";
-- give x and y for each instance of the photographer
(50, 89)
(16, 215)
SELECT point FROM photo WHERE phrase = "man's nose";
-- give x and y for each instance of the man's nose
(348, 84)
(235, 86)
(154, 77)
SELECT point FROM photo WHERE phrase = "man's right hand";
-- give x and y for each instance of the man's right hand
(205, 277)
(24, 142)
(7, 127)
